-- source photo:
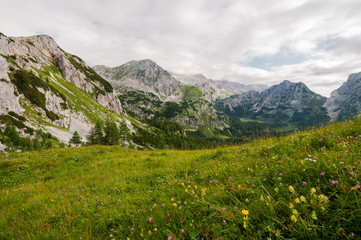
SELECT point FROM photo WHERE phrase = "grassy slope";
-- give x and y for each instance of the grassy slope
(101, 192)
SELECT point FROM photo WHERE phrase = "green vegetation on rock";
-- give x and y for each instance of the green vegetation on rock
(90, 74)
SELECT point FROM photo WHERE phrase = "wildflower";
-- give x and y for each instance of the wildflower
(276, 190)
(155, 229)
(224, 222)
(111, 235)
(174, 205)
(313, 215)
(292, 190)
(342, 230)
(303, 199)
(172, 199)
(322, 174)
(151, 220)
(244, 224)
(334, 182)
(112, 230)
(280, 174)
(183, 231)
(350, 173)
(291, 206)
(245, 212)
(294, 212)
(304, 183)
(168, 217)
(342, 163)
(297, 200)
(170, 238)
(133, 230)
(313, 190)
(293, 218)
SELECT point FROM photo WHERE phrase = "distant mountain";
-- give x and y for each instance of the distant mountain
(345, 102)
(287, 101)
(147, 91)
(144, 75)
(213, 90)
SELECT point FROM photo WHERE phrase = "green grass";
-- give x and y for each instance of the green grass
(97, 192)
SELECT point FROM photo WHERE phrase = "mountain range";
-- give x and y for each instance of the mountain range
(43, 87)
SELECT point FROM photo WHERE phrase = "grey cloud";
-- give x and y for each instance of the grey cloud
(216, 38)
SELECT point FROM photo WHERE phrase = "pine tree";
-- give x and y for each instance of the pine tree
(95, 135)
(111, 133)
(75, 139)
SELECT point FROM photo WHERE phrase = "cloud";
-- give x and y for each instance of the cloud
(313, 41)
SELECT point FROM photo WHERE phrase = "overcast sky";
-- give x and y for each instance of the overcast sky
(317, 42)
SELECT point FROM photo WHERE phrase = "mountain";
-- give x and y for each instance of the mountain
(213, 90)
(42, 87)
(150, 93)
(345, 102)
(285, 102)
(144, 75)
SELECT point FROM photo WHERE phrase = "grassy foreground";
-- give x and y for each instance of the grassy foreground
(303, 186)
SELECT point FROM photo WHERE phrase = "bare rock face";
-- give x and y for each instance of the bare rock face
(8, 101)
(345, 102)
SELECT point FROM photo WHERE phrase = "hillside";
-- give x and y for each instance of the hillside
(45, 88)
(303, 186)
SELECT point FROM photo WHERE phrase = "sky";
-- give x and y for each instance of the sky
(317, 42)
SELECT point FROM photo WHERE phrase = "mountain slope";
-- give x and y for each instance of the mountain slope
(345, 102)
(46, 88)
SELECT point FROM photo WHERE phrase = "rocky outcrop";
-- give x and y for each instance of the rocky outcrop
(345, 102)
(144, 75)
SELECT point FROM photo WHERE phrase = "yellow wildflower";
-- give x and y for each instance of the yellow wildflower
(313, 190)
(313, 215)
(297, 200)
(244, 224)
(174, 204)
(245, 212)
(303, 199)
(294, 212)
(172, 199)
(293, 218)
(155, 229)
(291, 205)
(276, 190)
(292, 190)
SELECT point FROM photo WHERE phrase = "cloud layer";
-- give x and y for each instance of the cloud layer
(317, 42)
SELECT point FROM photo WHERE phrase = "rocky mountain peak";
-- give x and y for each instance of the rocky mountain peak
(144, 75)
(345, 101)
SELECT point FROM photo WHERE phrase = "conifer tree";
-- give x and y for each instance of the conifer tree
(111, 133)
(75, 139)
(95, 135)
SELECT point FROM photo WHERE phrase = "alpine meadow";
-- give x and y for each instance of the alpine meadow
(180, 120)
